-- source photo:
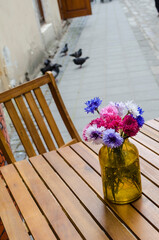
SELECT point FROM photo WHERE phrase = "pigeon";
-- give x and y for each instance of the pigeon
(80, 61)
(65, 49)
(46, 68)
(47, 62)
(51, 67)
(77, 54)
(27, 76)
(56, 69)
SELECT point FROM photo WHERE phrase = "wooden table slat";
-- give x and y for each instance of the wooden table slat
(153, 124)
(147, 141)
(150, 172)
(88, 155)
(147, 154)
(93, 147)
(81, 218)
(148, 209)
(151, 132)
(32, 215)
(90, 200)
(128, 214)
(152, 191)
(14, 226)
(147, 169)
(50, 207)
(60, 195)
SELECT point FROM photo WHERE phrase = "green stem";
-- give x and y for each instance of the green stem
(97, 111)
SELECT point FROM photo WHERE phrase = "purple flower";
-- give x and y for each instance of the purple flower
(94, 134)
(140, 121)
(93, 104)
(112, 139)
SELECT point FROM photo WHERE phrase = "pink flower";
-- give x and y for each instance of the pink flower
(84, 132)
(130, 126)
(109, 121)
(113, 122)
(100, 122)
(109, 110)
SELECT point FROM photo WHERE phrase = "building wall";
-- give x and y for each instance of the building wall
(52, 15)
(24, 43)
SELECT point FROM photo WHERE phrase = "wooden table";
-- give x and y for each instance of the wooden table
(60, 195)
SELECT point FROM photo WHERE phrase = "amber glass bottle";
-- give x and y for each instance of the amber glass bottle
(120, 170)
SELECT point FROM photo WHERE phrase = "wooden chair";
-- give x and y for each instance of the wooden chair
(26, 105)
(6, 150)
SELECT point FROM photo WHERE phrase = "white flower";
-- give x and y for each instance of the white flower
(121, 107)
(132, 108)
(94, 134)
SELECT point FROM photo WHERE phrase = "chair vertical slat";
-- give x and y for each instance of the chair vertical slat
(40, 121)
(9, 157)
(48, 115)
(62, 109)
(19, 128)
(30, 125)
(33, 107)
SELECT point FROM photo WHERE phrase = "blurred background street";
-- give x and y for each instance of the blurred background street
(121, 39)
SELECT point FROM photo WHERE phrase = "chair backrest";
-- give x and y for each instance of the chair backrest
(33, 119)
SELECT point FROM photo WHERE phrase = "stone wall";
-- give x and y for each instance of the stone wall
(24, 42)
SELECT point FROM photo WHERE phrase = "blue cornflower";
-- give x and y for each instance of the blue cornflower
(112, 139)
(93, 104)
(140, 110)
(140, 121)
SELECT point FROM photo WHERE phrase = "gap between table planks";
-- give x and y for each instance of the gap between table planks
(16, 229)
(142, 202)
(28, 208)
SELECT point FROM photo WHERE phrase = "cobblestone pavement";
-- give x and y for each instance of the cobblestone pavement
(144, 21)
(122, 61)
(121, 39)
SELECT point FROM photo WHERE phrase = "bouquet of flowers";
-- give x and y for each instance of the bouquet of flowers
(116, 122)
